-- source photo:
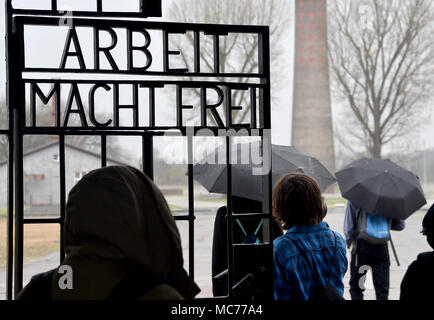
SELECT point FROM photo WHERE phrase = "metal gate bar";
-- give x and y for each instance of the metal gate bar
(229, 226)
(191, 216)
(16, 87)
(145, 11)
(9, 211)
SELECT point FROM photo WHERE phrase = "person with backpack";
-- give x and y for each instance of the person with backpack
(247, 231)
(121, 243)
(418, 281)
(309, 259)
(367, 237)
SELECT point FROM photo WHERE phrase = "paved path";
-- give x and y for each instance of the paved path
(409, 243)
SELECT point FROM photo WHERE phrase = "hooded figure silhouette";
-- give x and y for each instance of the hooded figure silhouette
(121, 241)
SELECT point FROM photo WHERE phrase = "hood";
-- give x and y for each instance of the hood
(117, 221)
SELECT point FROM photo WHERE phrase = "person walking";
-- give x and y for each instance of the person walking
(369, 250)
(418, 281)
(310, 258)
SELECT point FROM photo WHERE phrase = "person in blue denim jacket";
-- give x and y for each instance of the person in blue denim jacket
(309, 254)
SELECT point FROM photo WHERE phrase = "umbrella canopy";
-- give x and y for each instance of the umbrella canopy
(381, 188)
(212, 175)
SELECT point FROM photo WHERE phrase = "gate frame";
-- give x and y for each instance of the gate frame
(15, 46)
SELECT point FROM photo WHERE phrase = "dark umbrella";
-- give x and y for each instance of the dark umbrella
(381, 188)
(212, 175)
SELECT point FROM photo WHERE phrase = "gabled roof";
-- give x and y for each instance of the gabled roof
(67, 145)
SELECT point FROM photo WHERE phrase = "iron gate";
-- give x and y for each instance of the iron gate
(24, 81)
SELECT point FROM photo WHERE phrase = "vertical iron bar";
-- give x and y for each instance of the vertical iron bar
(253, 108)
(10, 209)
(10, 195)
(99, 5)
(54, 5)
(216, 53)
(191, 216)
(264, 69)
(15, 56)
(152, 106)
(267, 186)
(19, 207)
(32, 108)
(229, 226)
(265, 105)
(103, 151)
(165, 51)
(197, 51)
(57, 101)
(148, 155)
(62, 168)
(261, 108)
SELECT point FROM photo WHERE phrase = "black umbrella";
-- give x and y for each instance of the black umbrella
(381, 188)
(212, 174)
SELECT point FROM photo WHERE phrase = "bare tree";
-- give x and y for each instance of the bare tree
(382, 71)
(238, 53)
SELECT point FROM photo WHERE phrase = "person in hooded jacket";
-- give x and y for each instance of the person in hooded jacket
(418, 281)
(121, 242)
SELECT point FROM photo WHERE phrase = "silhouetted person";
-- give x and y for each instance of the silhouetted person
(309, 259)
(252, 227)
(418, 282)
(121, 242)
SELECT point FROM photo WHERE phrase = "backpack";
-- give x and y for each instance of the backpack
(374, 229)
(250, 238)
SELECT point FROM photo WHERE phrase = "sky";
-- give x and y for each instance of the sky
(281, 115)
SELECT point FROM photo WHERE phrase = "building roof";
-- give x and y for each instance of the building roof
(67, 145)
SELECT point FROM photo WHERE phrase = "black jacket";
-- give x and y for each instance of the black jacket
(418, 282)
